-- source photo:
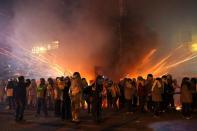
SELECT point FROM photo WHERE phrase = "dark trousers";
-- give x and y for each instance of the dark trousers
(11, 103)
(186, 109)
(157, 108)
(142, 100)
(114, 103)
(121, 102)
(172, 101)
(97, 109)
(194, 101)
(134, 101)
(66, 109)
(41, 104)
(130, 107)
(57, 107)
(166, 101)
(89, 104)
(49, 103)
(109, 101)
(149, 103)
(20, 107)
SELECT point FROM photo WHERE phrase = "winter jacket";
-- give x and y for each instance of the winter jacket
(157, 92)
(115, 91)
(20, 91)
(128, 91)
(75, 90)
(58, 94)
(9, 89)
(168, 89)
(66, 91)
(141, 90)
(186, 94)
(41, 91)
(148, 87)
(32, 90)
(50, 91)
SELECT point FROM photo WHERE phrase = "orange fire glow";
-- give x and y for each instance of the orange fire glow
(164, 65)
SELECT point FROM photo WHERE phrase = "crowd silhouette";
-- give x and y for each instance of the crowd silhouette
(66, 96)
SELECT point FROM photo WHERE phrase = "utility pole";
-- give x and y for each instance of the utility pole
(122, 14)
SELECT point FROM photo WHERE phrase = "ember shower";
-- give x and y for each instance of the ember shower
(92, 33)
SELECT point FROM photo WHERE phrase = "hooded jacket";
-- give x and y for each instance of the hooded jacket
(128, 90)
(157, 91)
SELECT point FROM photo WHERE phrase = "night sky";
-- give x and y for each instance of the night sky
(89, 27)
(160, 14)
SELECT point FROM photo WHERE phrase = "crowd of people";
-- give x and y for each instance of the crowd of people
(66, 96)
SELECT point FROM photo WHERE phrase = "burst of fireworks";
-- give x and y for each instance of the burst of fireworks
(182, 61)
(8, 53)
(148, 57)
(34, 59)
(163, 66)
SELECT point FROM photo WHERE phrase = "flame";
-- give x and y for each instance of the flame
(178, 108)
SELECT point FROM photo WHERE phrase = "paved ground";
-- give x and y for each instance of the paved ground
(112, 121)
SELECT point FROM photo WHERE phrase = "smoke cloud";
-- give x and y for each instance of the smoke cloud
(91, 34)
